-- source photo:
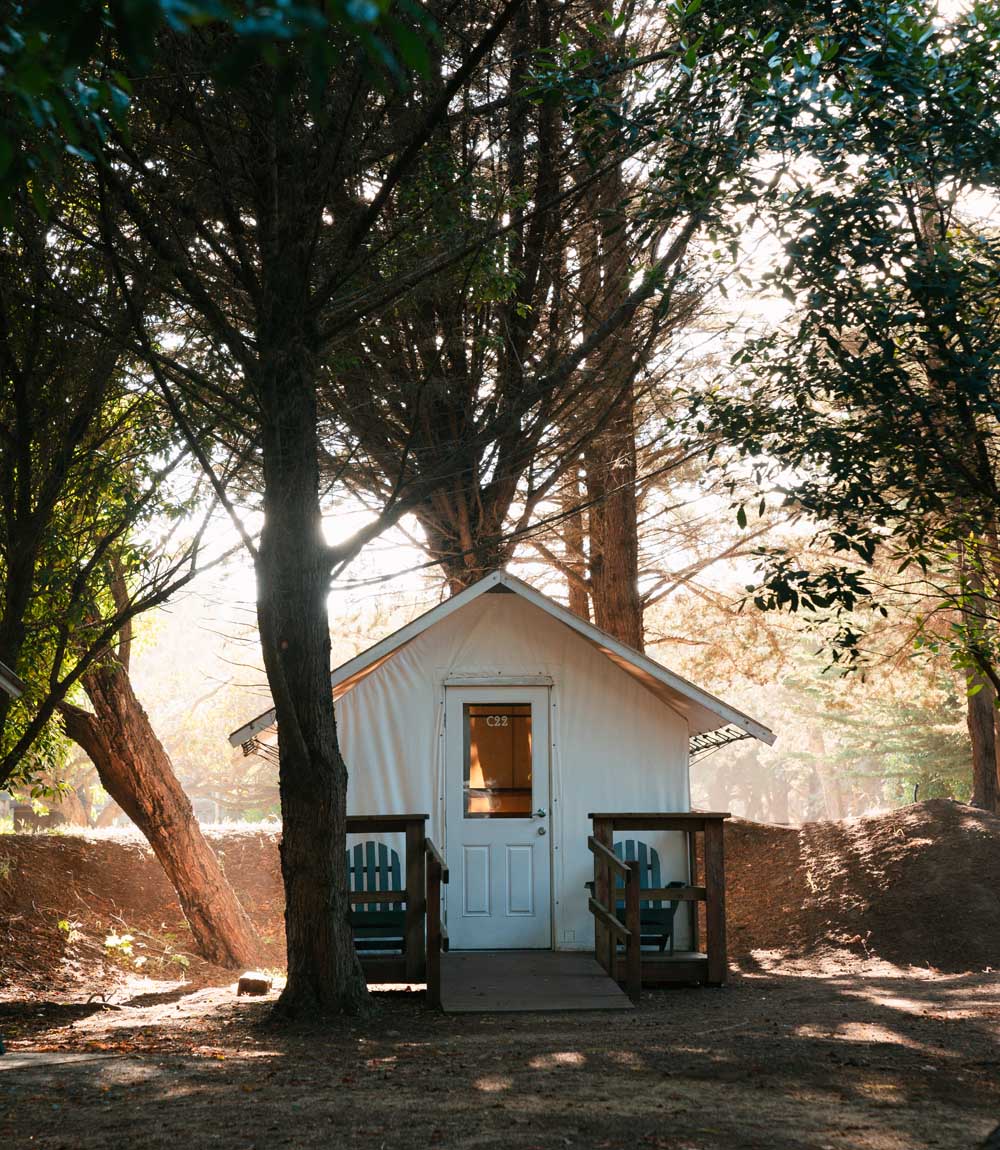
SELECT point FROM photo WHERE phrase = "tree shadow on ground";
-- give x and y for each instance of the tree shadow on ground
(773, 1062)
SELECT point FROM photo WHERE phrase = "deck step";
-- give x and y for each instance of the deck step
(509, 981)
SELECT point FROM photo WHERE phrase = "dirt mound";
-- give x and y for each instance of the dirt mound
(63, 896)
(917, 886)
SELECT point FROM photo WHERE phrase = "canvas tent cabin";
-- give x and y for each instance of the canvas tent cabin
(509, 720)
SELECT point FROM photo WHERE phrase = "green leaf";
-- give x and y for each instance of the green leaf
(411, 48)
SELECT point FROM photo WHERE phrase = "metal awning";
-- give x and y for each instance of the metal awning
(704, 744)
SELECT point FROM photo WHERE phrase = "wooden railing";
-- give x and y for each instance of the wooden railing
(412, 964)
(423, 932)
(603, 904)
(437, 936)
(710, 967)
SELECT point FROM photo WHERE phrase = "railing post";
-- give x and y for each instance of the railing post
(605, 948)
(633, 947)
(414, 950)
(434, 933)
(692, 846)
(715, 902)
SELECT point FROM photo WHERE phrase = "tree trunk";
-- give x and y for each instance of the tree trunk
(830, 786)
(73, 809)
(464, 533)
(137, 773)
(574, 540)
(614, 533)
(13, 609)
(293, 581)
(610, 459)
(778, 811)
(107, 816)
(980, 716)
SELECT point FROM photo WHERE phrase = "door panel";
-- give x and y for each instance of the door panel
(520, 879)
(476, 880)
(496, 811)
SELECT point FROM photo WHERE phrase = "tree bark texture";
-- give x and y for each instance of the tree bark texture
(610, 476)
(610, 459)
(614, 535)
(137, 773)
(16, 597)
(574, 541)
(293, 566)
(467, 539)
(980, 717)
(981, 711)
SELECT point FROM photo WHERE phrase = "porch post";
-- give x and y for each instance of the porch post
(605, 948)
(434, 934)
(715, 902)
(692, 845)
(415, 952)
(633, 948)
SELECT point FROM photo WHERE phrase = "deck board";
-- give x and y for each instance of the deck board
(509, 981)
(683, 968)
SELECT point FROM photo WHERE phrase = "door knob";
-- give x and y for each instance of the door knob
(541, 830)
(540, 813)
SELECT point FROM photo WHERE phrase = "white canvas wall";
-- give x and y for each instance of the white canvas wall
(615, 746)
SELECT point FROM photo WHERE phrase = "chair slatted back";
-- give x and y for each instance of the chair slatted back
(635, 850)
(373, 866)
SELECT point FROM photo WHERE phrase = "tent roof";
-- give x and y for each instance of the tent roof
(703, 711)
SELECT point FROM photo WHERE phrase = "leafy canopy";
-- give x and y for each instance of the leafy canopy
(876, 409)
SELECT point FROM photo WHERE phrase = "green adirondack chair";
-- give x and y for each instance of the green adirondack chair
(656, 918)
(376, 926)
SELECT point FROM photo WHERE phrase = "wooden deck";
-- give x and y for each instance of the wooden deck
(617, 894)
(682, 968)
(509, 981)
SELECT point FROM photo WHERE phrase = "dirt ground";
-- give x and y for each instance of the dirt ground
(863, 1013)
(818, 1055)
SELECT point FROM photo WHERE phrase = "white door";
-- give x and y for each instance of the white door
(497, 817)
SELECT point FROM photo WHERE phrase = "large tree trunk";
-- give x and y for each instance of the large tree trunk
(832, 790)
(15, 600)
(73, 809)
(293, 566)
(778, 807)
(610, 459)
(574, 540)
(980, 716)
(614, 532)
(610, 476)
(467, 541)
(293, 582)
(137, 773)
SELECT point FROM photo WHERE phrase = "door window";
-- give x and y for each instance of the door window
(497, 768)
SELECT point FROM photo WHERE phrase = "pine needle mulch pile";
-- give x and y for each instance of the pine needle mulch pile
(916, 886)
(919, 886)
(79, 913)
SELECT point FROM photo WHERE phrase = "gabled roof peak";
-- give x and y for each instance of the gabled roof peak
(703, 711)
